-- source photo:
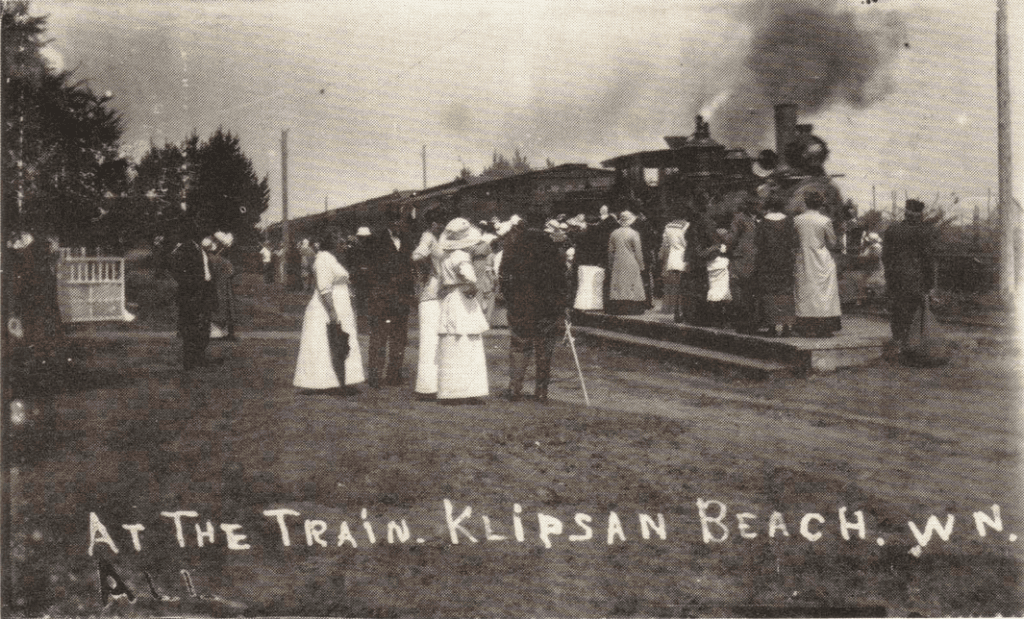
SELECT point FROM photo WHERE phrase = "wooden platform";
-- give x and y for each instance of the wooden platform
(862, 340)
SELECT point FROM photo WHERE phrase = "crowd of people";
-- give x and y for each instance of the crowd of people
(758, 270)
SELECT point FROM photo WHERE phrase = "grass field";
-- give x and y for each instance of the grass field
(738, 477)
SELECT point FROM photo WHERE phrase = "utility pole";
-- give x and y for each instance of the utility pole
(286, 241)
(424, 156)
(1008, 216)
(873, 203)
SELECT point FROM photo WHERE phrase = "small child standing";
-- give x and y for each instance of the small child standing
(719, 295)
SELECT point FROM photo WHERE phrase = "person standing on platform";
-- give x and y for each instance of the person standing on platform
(461, 362)
(626, 263)
(776, 243)
(426, 257)
(693, 285)
(391, 289)
(672, 258)
(909, 268)
(818, 313)
(535, 287)
(591, 256)
(742, 258)
(606, 224)
(330, 303)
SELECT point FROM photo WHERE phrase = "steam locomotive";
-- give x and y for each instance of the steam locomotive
(696, 173)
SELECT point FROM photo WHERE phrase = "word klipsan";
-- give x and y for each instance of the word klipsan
(716, 527)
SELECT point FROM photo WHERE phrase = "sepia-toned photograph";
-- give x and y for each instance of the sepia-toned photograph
(512, 309)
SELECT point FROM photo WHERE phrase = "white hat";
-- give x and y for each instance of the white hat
(363, 231)
(209, 244)
(553, 225)
(459, 234)
(626, 218)
(503, 228)
(873, 237)
(224, 238)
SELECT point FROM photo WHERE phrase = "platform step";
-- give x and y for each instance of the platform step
(692, 356)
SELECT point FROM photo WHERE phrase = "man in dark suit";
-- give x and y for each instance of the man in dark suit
(909, 271)
(533, 281)
(189, 265)
(390, 285)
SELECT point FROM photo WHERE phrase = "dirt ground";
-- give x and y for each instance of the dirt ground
(703, 495)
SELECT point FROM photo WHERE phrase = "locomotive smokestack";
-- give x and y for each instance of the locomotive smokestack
(785, 126)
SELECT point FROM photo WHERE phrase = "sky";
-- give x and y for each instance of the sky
(903, 91)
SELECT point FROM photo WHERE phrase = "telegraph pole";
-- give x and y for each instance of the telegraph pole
(1008, 215)
(424, 156)
(286, 241)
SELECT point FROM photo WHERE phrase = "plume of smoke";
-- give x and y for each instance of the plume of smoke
(814, 53)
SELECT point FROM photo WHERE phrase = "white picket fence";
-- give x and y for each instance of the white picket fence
(90, 289)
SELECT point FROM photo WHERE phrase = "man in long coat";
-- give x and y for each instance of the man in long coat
(390, 294)
(909, 272)
(189, 265)
(626, 264)
(533, 282)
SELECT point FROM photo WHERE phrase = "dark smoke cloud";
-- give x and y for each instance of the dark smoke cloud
(815, 53)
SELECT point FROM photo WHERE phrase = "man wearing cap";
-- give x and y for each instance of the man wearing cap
(359, 267)
(909, 272)
(534, 285)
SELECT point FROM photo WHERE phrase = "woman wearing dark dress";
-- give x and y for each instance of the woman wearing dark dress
(777, 243)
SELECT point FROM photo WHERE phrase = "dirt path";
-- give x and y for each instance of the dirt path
(140, 438)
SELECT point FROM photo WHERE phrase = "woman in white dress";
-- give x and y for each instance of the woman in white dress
(462, 364)
(330, 303)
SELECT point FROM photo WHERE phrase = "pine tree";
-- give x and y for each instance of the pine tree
(61, 157)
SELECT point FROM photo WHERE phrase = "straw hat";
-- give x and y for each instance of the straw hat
(459, 234)
(363, 231)
(873, 237)
(626, 218)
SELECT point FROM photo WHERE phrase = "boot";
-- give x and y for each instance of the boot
(517, 372)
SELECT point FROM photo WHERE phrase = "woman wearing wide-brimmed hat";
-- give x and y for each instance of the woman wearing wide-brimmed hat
(626, 262)
(462, 364)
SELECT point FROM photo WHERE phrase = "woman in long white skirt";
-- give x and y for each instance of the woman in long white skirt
(427, 259)
(462, 364)
(330, 303)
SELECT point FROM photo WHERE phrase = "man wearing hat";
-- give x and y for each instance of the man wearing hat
(358, 258)
(534, 285)
(909, 272)
(390, 292)
(189, 265)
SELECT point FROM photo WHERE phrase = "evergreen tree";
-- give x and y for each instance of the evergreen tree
(61, 161)
(212, 183)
